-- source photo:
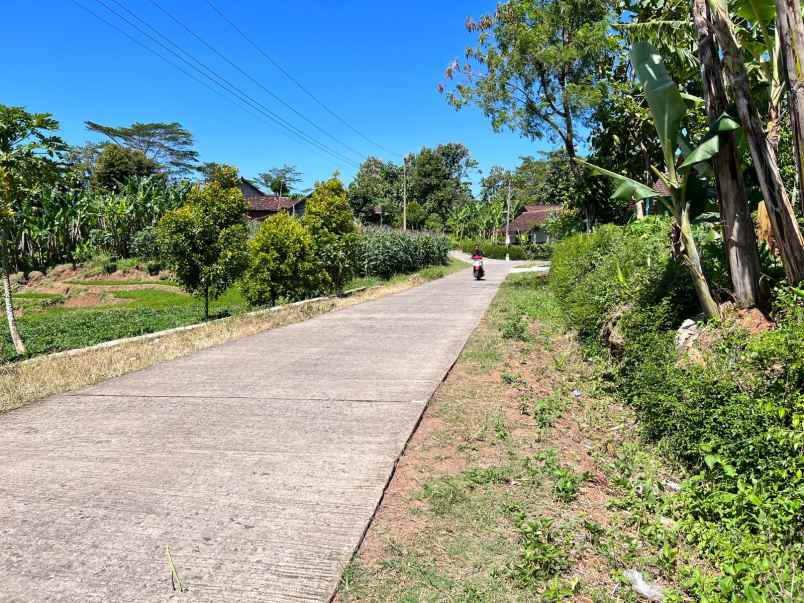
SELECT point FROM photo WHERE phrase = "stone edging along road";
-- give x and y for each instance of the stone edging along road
(259, 462)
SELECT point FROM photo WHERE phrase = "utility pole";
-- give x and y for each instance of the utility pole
(405, 195)
(508, 222)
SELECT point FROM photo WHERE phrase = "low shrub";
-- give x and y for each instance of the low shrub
(109, 266)
(283, 265)
(497, 251)
(734, 417)
(494, 251)
(143, 243)
(154, 267)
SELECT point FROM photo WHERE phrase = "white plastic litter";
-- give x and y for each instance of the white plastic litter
(651, 592)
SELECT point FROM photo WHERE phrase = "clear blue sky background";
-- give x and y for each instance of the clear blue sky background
(375, 63)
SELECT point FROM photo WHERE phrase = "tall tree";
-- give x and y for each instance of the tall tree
(27, 156)
(537, 67)
(281, 180)
(168, 144)
(780, 211)
(377, 184)
(791, 34)
(437, 179)
(738, 227)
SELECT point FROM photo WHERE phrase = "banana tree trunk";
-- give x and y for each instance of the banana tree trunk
(780, 211)
(19, 345)
(738, 228)
(791, 31)
(692, 259)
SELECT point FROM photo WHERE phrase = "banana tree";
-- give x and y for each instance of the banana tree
(668, 109)
(26, 156)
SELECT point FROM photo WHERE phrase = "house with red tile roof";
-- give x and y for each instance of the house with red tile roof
(530, 222)
(260, 206)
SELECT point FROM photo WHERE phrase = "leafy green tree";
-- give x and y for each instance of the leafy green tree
(330, 222)
(283, 263)
(437, 180)
(538, 68)
(168, 144)
(205, 240)
(28, 154)
(225, 175)
(116, 165)
(376, 184)
(281, 180)
(417, 215)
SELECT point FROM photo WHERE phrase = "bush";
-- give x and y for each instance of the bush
(734, 419)
(494, 251)
(143, 243)
(283, 264)
(384, 252)
(109, 266)
(329, 220)
(154, 267)
(497, 251)
(204, 241)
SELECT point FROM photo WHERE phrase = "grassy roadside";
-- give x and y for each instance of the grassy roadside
(525, 481)
(22, 383)
(47, 326)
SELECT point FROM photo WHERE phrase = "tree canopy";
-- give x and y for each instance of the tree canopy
(281, 180)
(168, 144)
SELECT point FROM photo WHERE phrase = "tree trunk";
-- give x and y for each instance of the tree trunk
(790, 27)
(783, 221)
(19, 345)
(690, 256)
(738, 228)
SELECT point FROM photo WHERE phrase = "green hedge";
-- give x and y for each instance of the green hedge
(385, 252)
(735, 420)
(497, 251)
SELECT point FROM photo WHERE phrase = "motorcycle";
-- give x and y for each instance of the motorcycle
(477, 269)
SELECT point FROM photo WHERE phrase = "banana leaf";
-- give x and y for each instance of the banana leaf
(627, 188)
(665, 101)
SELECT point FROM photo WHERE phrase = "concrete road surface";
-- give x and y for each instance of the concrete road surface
(259, 463)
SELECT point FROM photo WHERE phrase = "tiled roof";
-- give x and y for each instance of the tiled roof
(534, 215)
(270, 203)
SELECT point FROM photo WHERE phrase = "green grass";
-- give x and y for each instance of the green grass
(48, 329)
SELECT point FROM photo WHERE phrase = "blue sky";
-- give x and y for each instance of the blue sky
(377, 64)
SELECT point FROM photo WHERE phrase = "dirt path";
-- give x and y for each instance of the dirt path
(258, 463)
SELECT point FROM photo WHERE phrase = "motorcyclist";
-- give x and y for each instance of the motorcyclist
(477, 256)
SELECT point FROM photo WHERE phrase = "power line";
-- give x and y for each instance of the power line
(254, 80)
(161, 56)
(247, 102)
(297, 82)
(216, 78)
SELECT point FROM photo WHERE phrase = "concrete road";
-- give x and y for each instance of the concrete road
(259, 462)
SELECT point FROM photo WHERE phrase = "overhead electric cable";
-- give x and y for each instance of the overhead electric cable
(216, 78)
(246, 101)
(303, 88)
(253, 79)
